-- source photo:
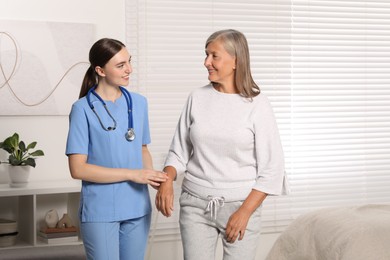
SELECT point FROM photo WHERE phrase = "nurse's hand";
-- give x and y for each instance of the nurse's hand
(148, 176)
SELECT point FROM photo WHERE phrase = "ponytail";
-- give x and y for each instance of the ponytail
(90, 80)
(99, 54)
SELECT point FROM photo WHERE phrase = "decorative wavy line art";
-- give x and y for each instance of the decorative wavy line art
(42, 65)
(7, 78)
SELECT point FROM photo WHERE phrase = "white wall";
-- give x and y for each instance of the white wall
(50, 131)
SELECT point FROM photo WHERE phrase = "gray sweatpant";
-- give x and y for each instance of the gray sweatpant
(200, 229)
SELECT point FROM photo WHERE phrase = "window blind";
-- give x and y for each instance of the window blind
(340, 113)
(323, 64)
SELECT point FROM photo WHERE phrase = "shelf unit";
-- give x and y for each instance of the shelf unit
(28, 206)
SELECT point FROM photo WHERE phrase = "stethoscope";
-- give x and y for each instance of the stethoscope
(130, 134)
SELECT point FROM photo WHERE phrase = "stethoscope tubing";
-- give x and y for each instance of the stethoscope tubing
(130, 134)
(129, 102)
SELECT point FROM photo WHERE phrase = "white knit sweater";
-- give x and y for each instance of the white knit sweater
(228, 145)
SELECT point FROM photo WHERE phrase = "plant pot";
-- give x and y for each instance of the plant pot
(4, 179)
(18, 176)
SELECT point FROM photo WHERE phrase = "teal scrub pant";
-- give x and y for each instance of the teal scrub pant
(201, 227)
(123, 240)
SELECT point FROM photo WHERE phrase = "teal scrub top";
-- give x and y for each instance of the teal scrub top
(112, 201)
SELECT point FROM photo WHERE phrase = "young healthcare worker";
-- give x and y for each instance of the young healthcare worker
(107, 150)
(227, 143)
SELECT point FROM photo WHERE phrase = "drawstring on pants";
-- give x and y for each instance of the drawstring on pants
(214, 203)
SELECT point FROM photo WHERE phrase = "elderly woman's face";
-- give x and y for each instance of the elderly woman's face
(220, 64)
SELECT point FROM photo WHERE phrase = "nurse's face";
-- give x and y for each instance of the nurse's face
(117, 70)
(220, 64)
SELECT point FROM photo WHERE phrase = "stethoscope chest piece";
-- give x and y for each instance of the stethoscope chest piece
(130, 135)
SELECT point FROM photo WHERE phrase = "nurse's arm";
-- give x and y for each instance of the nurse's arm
(81, 170)
(146, 158)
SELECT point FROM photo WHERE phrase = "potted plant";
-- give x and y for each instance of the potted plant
(20, 159)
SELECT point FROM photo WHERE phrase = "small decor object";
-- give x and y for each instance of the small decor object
(65, 222)
(51, 218)
(20, 159)
(8, 232)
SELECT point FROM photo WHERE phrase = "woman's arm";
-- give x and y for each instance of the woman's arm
(165, 197)
(178, 155)
(238, 221)
(80, 169)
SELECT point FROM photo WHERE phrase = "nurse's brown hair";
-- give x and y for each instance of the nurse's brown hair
(100, 53)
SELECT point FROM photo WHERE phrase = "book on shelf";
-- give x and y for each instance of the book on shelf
(60, 240)
(48, 230)
(58, 234)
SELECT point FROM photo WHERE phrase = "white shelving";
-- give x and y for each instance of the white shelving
(29, 205)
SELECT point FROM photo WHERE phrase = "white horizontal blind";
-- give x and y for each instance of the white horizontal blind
(323, 64)
(166, 39)
(340, 124)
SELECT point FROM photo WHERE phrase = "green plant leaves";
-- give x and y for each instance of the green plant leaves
(19, 153)
(30, 161)
(37, 153)
(32, 145)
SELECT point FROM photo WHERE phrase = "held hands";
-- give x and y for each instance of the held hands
(151, 177)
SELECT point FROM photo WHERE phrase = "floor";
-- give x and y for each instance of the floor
(73, 252)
